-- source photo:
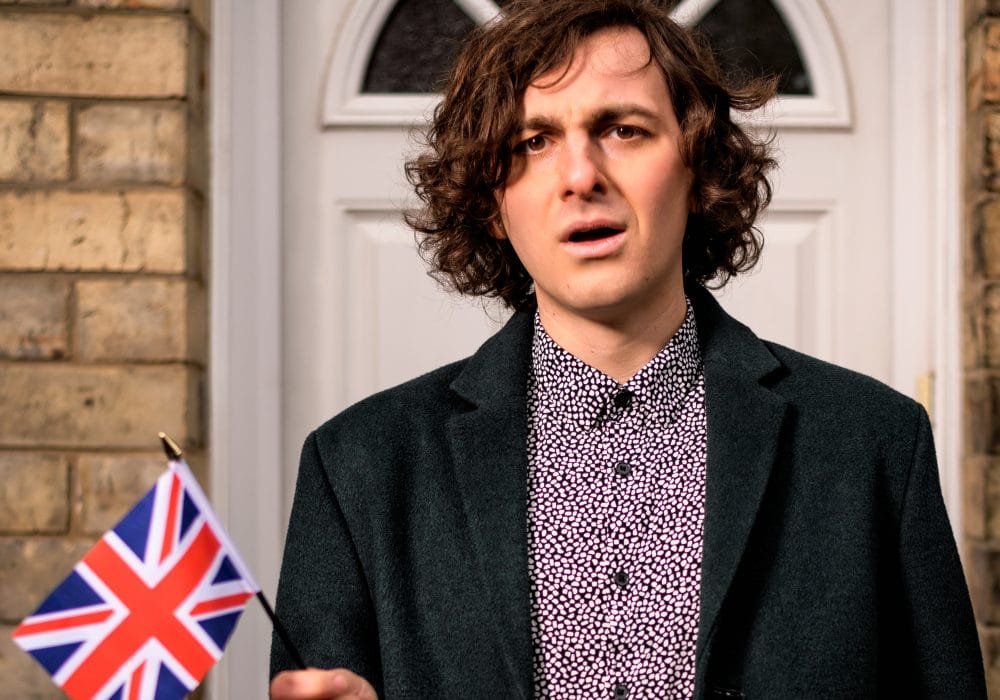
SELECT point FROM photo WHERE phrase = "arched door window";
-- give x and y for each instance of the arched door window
(420, 40)
(403, 48)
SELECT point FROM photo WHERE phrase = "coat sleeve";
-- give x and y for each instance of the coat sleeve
(944, 655)
(323, 598)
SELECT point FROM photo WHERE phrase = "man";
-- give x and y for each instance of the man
(624, 493)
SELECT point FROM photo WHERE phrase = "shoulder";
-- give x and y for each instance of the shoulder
(837, 410)
(808, 379)
(425, 404)
(426, 400)
(812, 387)
(732, 351)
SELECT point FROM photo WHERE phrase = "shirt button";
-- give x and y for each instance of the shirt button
(621, 691)
(623, 398)
(623, 468)
(621, 578)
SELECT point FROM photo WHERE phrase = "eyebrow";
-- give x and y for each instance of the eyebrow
(604, 115)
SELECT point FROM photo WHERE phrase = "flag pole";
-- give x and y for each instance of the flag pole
(282, 632)
(172, 449)
(174, 453)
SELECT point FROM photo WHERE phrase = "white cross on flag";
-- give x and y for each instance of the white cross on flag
(148, 610)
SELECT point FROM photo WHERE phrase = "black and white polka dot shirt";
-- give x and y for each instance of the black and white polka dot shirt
(616, 504)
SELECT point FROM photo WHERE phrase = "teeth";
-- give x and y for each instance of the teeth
(592, 234)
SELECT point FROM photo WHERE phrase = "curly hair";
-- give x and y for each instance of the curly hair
(468, 156)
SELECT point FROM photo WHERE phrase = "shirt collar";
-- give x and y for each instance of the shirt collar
(564, 384)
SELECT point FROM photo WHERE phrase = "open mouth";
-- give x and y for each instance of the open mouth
(594, 234)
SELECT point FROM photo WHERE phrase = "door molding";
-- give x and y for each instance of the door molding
(344, 104)
(926, 39)
(247, 388)
(245, 382)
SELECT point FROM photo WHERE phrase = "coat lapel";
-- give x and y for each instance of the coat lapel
(488, 441)
(745, 421)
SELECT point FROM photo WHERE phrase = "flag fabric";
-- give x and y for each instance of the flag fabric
(149, 609)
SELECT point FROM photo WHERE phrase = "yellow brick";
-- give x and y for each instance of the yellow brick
(974, 503)
(57, 405)
(34, 492)
(988, 248)
(100, 56)
(132, 143)
(34, 140)
(33, 317)
(974, 48)
(30, 567)
(23, 677)
(132, 231)
(198, 148)
(109, 485)
(136, 4)
(991, 63)
(140, 319)
(201, 13)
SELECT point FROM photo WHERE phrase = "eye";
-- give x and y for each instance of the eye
(532, 145)
(626, 132)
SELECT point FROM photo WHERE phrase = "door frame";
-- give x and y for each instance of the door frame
(247, 390)
(245, 383)
(926, 210)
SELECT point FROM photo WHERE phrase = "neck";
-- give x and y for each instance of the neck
(618, 347)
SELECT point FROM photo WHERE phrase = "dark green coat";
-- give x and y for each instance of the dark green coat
(829, 566)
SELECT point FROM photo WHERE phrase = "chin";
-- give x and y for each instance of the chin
(604, 308)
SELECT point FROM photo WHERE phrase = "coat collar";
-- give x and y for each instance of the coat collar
(488, 441)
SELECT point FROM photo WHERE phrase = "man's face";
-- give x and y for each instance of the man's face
(598, 197)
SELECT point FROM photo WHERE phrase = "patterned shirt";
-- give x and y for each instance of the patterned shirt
(616, 504)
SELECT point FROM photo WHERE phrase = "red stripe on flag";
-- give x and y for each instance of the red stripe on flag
(62, 623)
(229, 601)
(173, 506)
(135, 683)
(151, 614)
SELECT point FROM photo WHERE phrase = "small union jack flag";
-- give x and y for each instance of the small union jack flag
(150, 607)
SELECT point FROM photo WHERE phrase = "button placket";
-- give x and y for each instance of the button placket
(621, 579)
(616, 513)
(623, 398)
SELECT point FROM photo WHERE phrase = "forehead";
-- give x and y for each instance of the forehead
(613, 63)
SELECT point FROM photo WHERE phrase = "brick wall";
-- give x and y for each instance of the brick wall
(102, 297)
(981, 344)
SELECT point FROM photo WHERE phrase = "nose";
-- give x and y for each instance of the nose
(582, 170)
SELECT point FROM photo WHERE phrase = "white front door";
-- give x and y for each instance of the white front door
(362, 315)
(852, 264)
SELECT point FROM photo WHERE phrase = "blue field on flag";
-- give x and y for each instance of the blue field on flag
(149, 609)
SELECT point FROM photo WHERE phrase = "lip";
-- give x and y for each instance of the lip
(588, 225)
(597, 247)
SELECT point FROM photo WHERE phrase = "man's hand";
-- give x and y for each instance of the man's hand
(316, 684)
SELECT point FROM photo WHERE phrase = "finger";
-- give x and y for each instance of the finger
(317, 684)
(351, 686)
(309, 684)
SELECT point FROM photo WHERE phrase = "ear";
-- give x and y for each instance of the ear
(495, 225)
(496, 229)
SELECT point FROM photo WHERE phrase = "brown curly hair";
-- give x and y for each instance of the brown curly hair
(468, 153)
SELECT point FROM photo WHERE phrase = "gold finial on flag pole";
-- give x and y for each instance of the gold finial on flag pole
(172, 449)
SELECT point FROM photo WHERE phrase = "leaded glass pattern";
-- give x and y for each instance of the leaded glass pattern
(421, 38)
(751, 38)
(417, 45)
